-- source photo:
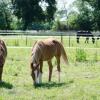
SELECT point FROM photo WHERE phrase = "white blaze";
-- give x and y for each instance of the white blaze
(40, 77)
(36, 76)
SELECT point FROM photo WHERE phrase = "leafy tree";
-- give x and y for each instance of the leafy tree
(84, 19)
(29, 11)
(72, 20)
(59, 26)
(89, 14)
(95, 5)
(5, 16)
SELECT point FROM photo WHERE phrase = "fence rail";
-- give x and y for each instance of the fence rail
(30, 33)
(36, 33)
(43, 33)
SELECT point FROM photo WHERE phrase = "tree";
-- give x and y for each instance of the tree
(89, 13)
(84, 18)
(29, 11)
(5, 16)
(95, 5)
(72, 20)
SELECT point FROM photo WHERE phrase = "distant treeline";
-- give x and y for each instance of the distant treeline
(32, 15)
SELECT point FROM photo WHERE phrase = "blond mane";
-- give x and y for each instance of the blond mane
(36, 52)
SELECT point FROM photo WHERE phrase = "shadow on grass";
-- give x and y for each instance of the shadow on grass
(6, 85)
(53, 84)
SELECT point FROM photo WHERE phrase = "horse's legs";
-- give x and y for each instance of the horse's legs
(58, 67)
(93, 40)
(77, 39)
(87, 40)
(1, 71)
(40, 73)
(50, 70)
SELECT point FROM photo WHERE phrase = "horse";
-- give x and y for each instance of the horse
(86, 34)
(45, 50)
(3, 55)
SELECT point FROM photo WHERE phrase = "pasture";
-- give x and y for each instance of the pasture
(79, 80)
(29, 40)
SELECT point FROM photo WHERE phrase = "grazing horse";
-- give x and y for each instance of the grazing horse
(3, 55)
(45, 50)
(86, 34)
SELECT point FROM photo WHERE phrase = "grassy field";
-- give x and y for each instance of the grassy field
(29, 40)
(79, 80)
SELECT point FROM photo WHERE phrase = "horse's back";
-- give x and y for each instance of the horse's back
(49, 48)
(84, 33)
(47, 42)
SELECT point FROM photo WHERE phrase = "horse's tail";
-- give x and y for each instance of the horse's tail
(64, 55)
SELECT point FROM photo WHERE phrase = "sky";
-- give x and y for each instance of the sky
(63, 3)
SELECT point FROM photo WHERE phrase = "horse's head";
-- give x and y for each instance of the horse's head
(35, 56)
(35, 72)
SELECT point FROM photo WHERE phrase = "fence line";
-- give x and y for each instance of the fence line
(29, 33)
(36, 33)
(42, 32)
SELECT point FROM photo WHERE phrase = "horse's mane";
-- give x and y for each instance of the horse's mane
(36, 52)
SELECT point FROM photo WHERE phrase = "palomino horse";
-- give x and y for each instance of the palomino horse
(45, 50)
(3, 55)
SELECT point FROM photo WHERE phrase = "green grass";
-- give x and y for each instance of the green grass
(79, 80)
(29, 40)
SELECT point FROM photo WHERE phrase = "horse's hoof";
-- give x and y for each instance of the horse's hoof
(36, 85)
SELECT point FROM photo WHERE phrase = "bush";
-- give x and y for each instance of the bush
(59, 26)
(80, 55)
(40, 26)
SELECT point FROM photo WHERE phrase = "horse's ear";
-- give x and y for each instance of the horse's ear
(54, 41)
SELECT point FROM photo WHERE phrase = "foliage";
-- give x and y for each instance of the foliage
(72, 20)
(80, 55)
(16, 24)
(5, 16)
(89, 14)
(95, 4)
(84, 19)
(30, 11)
(39, 26)
(59, 26)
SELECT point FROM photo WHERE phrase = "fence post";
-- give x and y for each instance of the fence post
(26, 39)
(61, 38)
(69, 39)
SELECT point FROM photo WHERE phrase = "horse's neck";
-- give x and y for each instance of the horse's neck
(37, 54)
